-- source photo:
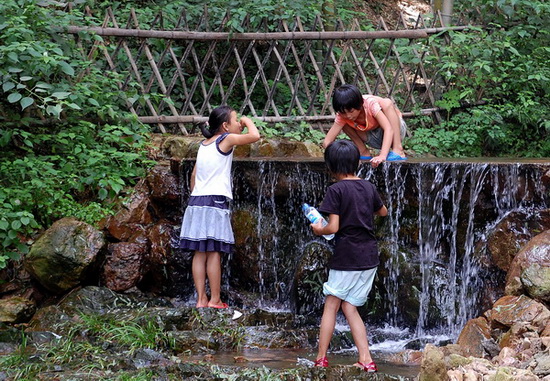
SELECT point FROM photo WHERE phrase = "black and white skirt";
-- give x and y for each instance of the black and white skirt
(206, 225)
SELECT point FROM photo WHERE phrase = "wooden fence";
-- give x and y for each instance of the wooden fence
(276, 76)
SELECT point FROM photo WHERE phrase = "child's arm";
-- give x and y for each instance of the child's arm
(332, 226)
(251, 136)
(334, 131)
(386, 141)
(193, 174)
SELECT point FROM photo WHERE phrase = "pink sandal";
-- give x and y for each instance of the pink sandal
(370, 367)
(322, 362)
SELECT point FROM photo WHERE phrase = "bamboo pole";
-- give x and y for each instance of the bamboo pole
(276, 119)
(265, 36)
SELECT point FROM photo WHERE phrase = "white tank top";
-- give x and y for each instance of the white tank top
(213, 172)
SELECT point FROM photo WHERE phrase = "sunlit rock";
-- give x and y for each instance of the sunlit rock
(181, 146)
(16, 310)
(433, 366)
(510, 309)
(531, 268)
(473, 335)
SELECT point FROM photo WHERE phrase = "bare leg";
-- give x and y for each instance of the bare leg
(358, 138)
(199, 277)
(358, 331)
(328, 322)
(394, 117)
(214, 272)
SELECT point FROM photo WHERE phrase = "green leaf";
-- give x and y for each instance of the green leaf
(26, 102)
(43, 85)
(103, 193)
(93, 101)
(25, 78)
(7, 86)
(61, 94)
(74, 106)
(13, 56)
(14, 97)
(4, 225)
(67, 69)
(25, 220)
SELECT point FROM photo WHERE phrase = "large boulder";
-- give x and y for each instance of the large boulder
(64, 255)
(530, 269)
(508, 237)
(510, 309)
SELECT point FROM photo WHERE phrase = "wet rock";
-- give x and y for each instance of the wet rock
(310, 274)
(270, 337)
(146, 357)
(16, 310)
(133, 216)
(164, 185)
(64, 255)
(473, 335)
(245, 258)
(123, 265)
(94, 299)
(530, 269)
(507, 238)
(165, 192)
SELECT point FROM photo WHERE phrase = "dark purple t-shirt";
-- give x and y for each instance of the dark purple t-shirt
(355, 201)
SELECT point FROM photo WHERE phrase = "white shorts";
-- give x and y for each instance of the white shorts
(350, 286)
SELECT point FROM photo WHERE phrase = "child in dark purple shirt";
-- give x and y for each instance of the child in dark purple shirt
(351, 204)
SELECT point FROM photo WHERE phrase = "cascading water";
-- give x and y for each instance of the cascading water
(430, 279)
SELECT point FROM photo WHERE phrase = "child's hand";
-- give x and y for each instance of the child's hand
(377, 160)
(245, 120)
(317, 228)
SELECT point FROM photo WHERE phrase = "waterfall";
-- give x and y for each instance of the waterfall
(431, 276)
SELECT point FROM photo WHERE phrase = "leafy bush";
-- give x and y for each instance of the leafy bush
(508, 61)
(69, 145)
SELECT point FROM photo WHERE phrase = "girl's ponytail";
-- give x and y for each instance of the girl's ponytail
(206, 131)
(216, 119)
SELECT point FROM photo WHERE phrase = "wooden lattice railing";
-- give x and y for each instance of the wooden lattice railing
(277, 76)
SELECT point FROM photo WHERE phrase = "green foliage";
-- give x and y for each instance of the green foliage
(504, 65)
(130, 334)
(260, 13)
(69, 145)
(297, 131)
(84, 348)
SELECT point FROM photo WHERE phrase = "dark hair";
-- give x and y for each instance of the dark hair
(342, 157)
(217, 117)
(347, 97)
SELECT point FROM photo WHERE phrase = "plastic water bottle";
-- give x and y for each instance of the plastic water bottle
(314, 216)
